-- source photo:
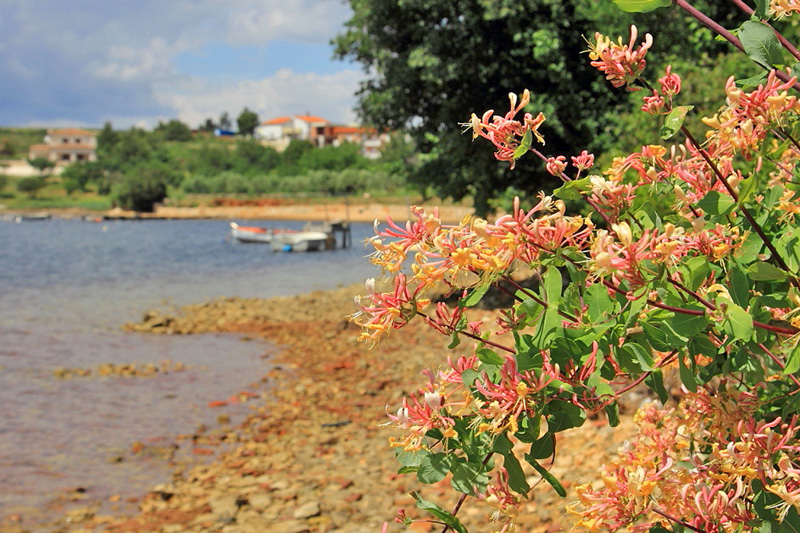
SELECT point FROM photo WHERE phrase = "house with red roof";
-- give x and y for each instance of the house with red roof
(65, 146)
(370, 140)
(280, 131)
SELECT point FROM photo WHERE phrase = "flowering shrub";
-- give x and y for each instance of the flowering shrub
(708, 289)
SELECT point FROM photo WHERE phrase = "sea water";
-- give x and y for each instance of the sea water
(66, 287)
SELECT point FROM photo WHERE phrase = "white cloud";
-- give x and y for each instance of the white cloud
(92, 60)
(285, 93)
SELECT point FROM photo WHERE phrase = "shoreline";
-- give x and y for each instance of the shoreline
(314, 456)
(312, 212)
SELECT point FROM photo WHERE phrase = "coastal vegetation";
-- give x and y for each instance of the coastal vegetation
(683, 284)
(137, 168)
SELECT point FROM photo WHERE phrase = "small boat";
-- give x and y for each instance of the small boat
(302, 241)
(31, 217)
(251, 234)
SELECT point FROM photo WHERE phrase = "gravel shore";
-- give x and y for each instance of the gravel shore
(313, 455)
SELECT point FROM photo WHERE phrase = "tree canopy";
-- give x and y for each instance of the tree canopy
(433, 62)
(247, 122)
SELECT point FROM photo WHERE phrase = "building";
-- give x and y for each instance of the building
(279, 132)
(65, 146)
(369, 139)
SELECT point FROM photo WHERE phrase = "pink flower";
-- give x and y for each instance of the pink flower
(621, 63)
(506, 132)
(670, 83)
(556, 165)
(584, 161)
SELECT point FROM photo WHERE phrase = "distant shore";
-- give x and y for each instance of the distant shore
(335, 211)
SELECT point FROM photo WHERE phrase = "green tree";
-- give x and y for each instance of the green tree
(83, 173)
(42, 164)
(433, 62)
(347, 155)
(295, 151)
(107, 139)
(142, 187)
(31, 186)
(252, 156)
(175, 130)
(224, 121)
(247, 122)
(208, 126)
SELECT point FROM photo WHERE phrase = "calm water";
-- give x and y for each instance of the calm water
(66, 287)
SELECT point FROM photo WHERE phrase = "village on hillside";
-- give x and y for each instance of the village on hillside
(65, 146)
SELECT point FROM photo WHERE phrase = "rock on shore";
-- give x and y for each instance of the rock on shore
(314, 456)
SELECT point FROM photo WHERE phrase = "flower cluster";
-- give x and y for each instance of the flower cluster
(692, 274)
(700, 465)
(506, 132)
(621, 63)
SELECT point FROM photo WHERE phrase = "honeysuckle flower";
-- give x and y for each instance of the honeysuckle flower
(584, 161)
(783, 8)
(654, 104)
(621, 63)
(556, 165)
(506, 132)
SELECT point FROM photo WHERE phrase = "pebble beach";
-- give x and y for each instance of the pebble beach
(313, 453)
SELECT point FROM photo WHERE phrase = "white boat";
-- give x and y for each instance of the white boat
(251, 234)
(302, 241)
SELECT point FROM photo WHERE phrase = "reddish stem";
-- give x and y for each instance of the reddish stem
(786, 44)
(468, 334)
(756, 227)
(676, 520)
(703, 19)
(778, 362)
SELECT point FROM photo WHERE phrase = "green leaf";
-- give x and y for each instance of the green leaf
(688, 377)
(641, 6)
(516, 476)
(564, 415)
(572, 190)
(489, 357)
(656, 383)
(738, 322)
(550, 478)
(639, 356)
(765, 272)
(612, 412)
(552, 283)
(469, 478)
(599, 305)
(688, 325)
(543, 447)
(792, 360)
(455, 341)
(716, 203)
(662, 337)
(762, 9)
(434, 468)
(524, 145)
(411, 459)
(752, 81)
(697, 270)
(445, 516)
(761, 44)
(474, 297)
(746, 189)
(739, 285)
(674, 121)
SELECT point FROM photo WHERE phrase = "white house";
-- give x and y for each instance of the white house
(280, 131)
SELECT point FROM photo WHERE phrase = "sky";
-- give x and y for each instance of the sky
(81, 63)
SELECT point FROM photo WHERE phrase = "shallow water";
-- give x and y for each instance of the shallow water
(66, 287)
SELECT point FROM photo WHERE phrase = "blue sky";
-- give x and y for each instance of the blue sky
(135, 62)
